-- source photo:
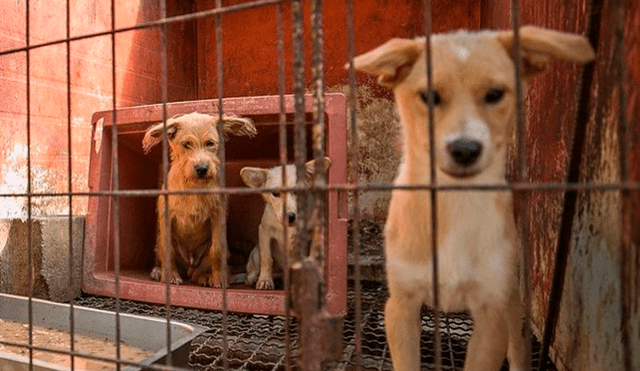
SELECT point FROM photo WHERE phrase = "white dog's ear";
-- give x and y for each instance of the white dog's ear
(310, 168)
(254, 177)
(238, 125)
(539, 47)
(391, 61)
(153, 135)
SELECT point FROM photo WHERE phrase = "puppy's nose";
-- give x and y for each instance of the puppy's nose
(201, 170)
(291, 217)
(465, 152)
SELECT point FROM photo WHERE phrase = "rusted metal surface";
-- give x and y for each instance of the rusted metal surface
(590, 323)
(320, 332)
(142, 172)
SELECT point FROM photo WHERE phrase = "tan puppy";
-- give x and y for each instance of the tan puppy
(271, 229)
(474, 116)
(194, 249)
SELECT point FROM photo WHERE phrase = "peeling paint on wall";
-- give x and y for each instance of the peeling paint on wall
(14, 180)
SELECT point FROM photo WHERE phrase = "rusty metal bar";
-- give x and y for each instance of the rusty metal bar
(70, 187)
(222, 183)
(318, 137)
(300, 134)
(515, 186)
(522, 177)
(158, 23)
(433, 194)
(28, 193)
(282, 131)
(570, 197)
(115, 185)
(626, 244)
(355, 217)
(165, 182)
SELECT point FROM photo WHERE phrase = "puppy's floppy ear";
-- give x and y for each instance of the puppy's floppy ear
(391, 61)
(153, 135)
(540, 46)
(238, 125)
(310, 168)
(254, 177)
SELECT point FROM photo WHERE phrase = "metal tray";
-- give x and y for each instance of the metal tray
(134, 330)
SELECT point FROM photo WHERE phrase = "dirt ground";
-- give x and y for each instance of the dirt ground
(59, 340)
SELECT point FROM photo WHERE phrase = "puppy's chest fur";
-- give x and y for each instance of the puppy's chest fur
(191, 217)
(476, 248)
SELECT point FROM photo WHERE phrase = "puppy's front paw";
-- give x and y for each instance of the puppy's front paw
(265, 285)
(214, 280)
(251, 279)
(156, 274)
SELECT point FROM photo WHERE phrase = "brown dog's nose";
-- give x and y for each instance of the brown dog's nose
(465, 152)
(291, 218)
(201, 170)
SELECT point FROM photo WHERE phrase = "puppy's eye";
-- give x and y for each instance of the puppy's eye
(275, 194)
(186, 145)
(210, 144)
(434, 94)
(494, 96)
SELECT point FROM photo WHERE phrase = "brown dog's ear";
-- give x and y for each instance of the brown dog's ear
(310, 168)
(153, 135)
(391, 61)
(254, 177)
(238, 125)
(540, 46)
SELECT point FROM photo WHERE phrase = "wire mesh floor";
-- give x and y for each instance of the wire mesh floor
(258, 342)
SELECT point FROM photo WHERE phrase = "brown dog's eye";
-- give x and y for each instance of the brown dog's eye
(186, 145)
(275, 194)
(210, 143)
(435, 96)
(494, 96)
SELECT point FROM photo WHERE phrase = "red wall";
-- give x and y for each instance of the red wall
(250, 40)
(138, 81)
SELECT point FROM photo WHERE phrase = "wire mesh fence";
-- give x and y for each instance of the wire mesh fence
(308, 334)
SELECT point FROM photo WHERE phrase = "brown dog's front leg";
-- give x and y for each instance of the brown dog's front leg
(402, 325)
(158, 272)
(215, 255)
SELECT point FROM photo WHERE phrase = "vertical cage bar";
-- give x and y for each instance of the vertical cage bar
(433, 192)
(165, 171)
(318, 197)
(29, 219)
(626, 244)
(522, 177)
(300, 134)
(282, 128)
(70, 188)
(222, 183)
(354, 155)
(115, 185)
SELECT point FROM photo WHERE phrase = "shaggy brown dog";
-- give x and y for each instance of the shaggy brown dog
(473, 95)
(194, 249)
